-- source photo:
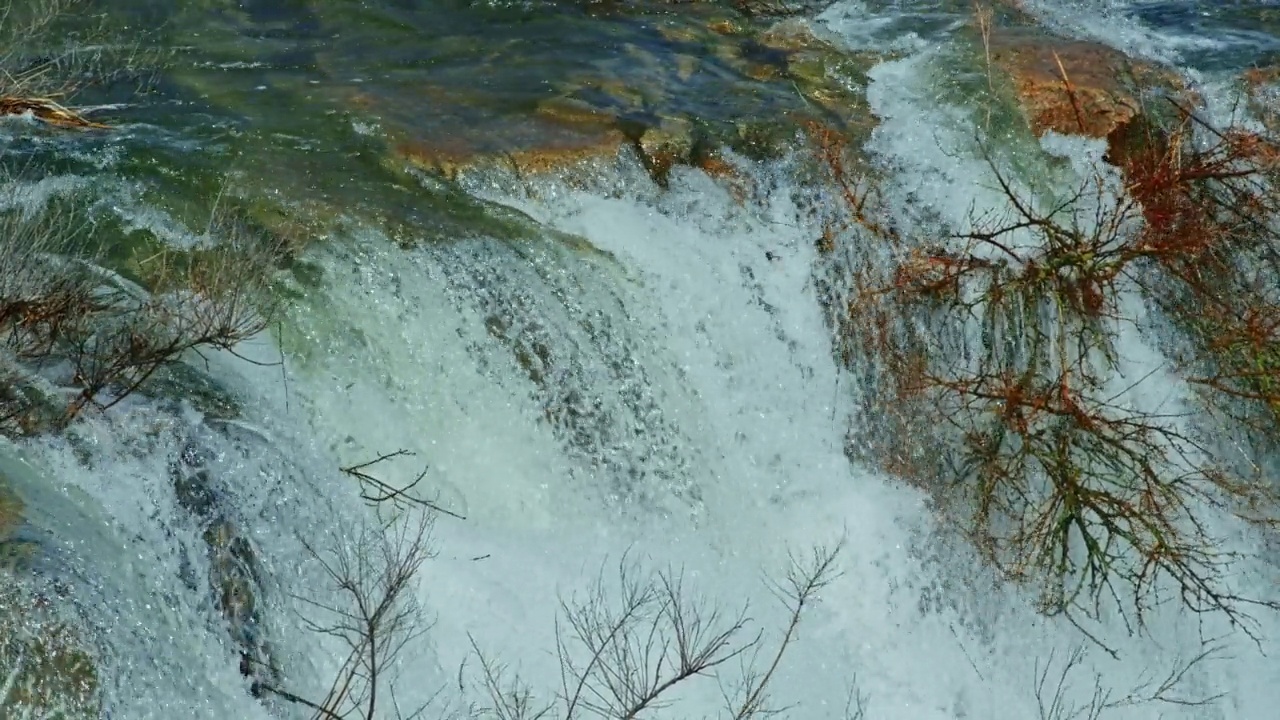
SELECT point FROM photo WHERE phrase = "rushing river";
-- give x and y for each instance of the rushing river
(587, 366)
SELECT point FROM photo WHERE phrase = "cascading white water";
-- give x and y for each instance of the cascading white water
(666, 387)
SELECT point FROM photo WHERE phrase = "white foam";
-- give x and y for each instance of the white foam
(1113, 23)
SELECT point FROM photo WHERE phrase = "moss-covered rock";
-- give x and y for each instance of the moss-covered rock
(10, 511)
(47, 671)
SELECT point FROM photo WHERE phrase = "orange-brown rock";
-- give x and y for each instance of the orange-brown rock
(724, 27)
(529, 145)
(738, 183)
(1262, 86)
(1074, 87)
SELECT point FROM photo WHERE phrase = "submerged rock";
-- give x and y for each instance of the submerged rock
(46, 668)
(10, 511)
(180, 382)
(529, 146)
(25, 408)
(664, 146)
(781, 8)
(1075, 87)
(16, 553)
(235, 577)
(233, 567)
(681, 83)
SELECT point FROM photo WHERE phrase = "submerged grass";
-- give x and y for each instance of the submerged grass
(53, 50)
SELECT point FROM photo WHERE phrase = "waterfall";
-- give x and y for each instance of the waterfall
(640, 372)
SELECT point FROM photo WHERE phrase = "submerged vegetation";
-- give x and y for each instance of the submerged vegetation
(999, 347)
(54, 50)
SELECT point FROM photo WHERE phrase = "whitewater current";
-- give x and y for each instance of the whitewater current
(650, 375)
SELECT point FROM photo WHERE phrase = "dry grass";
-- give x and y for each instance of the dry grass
(59, 309)
(43, 67)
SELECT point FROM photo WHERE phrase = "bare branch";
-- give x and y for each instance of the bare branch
(376, 491)
(623, 653)
(805, 578)
(377, 614)
(1054, 686)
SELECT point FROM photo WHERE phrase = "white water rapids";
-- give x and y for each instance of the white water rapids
(671, 393)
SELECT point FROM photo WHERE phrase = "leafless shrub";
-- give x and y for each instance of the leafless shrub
(56, 307)
(376, 617)
(215, 296)
(1211, 204)
(1053, 687)
(1066, 482)
(625, 650)
(41, 288)
(624, 656)
(1002, 338)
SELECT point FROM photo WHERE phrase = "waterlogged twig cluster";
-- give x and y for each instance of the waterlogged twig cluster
(105, 336)
(999, 341)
